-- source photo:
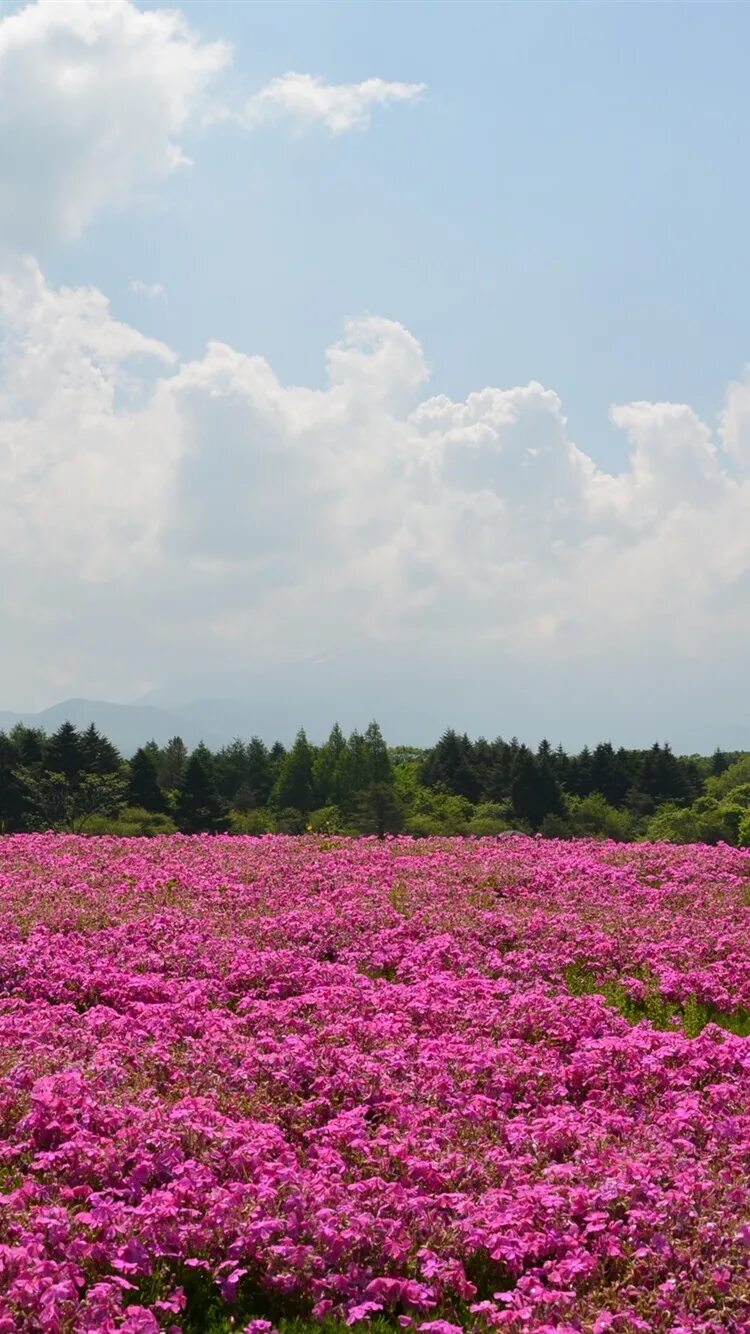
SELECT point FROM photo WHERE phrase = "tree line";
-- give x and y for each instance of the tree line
(76, 780)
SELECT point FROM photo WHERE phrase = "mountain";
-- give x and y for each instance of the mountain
(128, 726)
(315, 693)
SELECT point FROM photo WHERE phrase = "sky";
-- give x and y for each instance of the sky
(390, 354)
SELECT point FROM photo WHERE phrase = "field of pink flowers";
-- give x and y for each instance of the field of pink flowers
(449, 1085)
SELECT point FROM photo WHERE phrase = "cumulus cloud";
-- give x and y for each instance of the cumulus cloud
(210, 511)
(81, 482)
(95, 97)
(306, 99)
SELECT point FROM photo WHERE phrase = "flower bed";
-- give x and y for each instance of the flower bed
(248, 1083)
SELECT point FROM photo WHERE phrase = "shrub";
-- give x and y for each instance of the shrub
(488, 818)
(254, 822)
(593, 817)
(327, 820)
(132, 822)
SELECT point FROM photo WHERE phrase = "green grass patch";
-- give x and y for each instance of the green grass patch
(691, 1017)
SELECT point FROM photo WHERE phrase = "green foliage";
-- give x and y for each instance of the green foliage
(143, 783)
(255, 822)
(438, 813)
(294, 785)
(534, 790)
(593, 817)
(556, 826)
(63, 754)
(706, 821)
(200, 809)
(290, 821)
(735, 776)
(327, 820)
(378, 811)
(358, 784)
(674, 824)
(330, 780)
(13, 794)
(449, 766)
(647, 1003)
(132, 822)
(57, 802)
(489, 818)
(171, 764)
(98, 755)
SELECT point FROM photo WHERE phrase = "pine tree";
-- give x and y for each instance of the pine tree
(63, 754)
(329, 769)
(607, 773)
(534, 790)
(143, 783)
(171, 764)
(230, 767)
(98, 755)
(13, 804)
(450, 766)
(379, 761)
(378, 810)
(720, 761)
(29, 744)
(294, 785)
(200, 809)
(259, 772)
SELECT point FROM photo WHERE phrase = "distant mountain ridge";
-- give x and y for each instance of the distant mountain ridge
(128, 726)
(284, 705)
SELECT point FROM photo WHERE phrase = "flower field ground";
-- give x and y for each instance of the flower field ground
(302, 1083)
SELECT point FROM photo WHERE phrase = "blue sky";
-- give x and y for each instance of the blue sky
(552, 233)
(566, 204)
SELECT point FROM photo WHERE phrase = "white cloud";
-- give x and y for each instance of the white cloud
(95, 98)
(304, 99)
(154, 291)
(82, 476)
(209, 512)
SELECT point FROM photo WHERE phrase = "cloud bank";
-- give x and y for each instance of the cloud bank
(153, 511)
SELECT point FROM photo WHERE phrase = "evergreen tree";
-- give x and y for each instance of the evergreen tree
(355, 770)
(534, 790)
(666, 778)
(259, 771)
(200, 809)
(450, 766)
(379, 769)
(294, 786)
(63, 754)
(482, 765)
(378, 810)
(230, 767)
(329, 770)
(276, 756)
(29, 744)
(98, 755)
(608, 774)
(171, 764)
(561, 764)
(720, 761)
(13, 805)
(143, 783)
(497, 781)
